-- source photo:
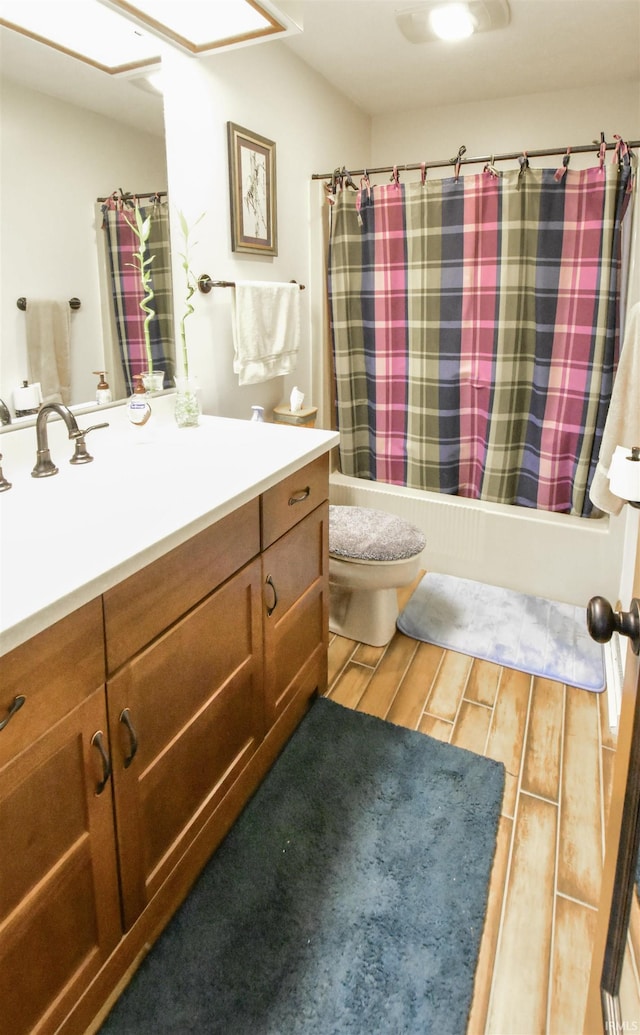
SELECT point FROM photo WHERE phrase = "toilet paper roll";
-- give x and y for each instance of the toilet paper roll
(26, 398)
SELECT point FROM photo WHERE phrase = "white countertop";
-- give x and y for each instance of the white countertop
(67, 538)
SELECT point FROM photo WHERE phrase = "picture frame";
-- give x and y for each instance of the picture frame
(252, 185)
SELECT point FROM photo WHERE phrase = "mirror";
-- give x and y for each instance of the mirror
(71, 134)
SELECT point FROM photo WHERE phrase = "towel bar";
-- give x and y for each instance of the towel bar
(205, 283)
(74, 303)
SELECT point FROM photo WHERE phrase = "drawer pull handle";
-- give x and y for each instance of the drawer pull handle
(125, 719)
(304, 495)
(270, 610)
(98, 742)
(15, 707)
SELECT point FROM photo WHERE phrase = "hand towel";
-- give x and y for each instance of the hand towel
(266, 330)
(48, 330)
(622, 426)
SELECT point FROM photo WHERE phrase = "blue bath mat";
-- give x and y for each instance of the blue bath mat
(538, 636)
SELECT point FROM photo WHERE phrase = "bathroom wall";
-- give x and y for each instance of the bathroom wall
(56, 159)
(269, 91)
(266, 89)
(550, 118)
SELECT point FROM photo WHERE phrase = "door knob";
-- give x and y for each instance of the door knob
(603, 621)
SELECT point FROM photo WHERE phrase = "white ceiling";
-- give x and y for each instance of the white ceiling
(548, 45)
(356, 45)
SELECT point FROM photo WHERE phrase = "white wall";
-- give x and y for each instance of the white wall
(267, 90)
(549, 119)
(56, 159)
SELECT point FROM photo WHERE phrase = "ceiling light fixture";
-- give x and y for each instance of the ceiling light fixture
(449, 20)
(452, 21)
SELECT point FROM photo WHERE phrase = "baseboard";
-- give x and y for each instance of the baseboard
(614, 673)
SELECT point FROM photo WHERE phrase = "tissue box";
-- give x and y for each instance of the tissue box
(305, 418)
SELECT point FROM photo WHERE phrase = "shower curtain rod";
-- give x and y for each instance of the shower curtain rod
(582, 149)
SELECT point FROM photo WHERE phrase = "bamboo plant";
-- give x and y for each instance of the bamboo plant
(142, 230)
(191, 286)
(187, 405)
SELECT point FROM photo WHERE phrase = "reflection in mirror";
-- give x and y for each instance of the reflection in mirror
(70, 134)
(137, 289)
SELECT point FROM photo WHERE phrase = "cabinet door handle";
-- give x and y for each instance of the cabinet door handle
(125, 719)
(98, 742)
(300, 497)
(15, 707)
(270, 610)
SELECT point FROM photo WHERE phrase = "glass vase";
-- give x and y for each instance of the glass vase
(153, 380)
(187, 410)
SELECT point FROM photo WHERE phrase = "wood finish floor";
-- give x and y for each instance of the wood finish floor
(558, 754)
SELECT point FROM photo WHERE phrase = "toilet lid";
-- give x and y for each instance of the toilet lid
(363, 534)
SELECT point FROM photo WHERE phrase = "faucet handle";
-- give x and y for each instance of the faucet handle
(81, 456)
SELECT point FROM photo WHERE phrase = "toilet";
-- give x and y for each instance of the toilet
(371, 555)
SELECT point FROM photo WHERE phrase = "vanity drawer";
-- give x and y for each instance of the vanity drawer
(54, 671)
(148, 602)
(293, 498)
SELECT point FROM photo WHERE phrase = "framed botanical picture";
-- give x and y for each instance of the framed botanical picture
(252, 181)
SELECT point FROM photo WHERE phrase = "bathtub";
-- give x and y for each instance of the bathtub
(562, 558)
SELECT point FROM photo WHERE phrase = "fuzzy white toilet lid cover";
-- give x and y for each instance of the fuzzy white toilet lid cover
(363, 534)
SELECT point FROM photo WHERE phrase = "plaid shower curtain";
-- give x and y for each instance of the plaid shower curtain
(475, 331)
(126, 290)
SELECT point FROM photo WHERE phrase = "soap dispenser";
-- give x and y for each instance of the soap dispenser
(138, 408)
(103, 392)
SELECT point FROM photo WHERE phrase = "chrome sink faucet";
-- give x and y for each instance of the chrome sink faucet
(44, 464)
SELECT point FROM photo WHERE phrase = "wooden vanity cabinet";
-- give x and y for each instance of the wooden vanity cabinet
(295, 559)
(150, 717)
(296, 613)
(185, 715)
(59, 898)
(184, 692)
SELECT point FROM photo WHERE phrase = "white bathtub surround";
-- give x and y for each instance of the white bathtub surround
(555, 556)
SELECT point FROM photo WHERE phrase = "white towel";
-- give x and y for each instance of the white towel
(622, 426)
(48, 330)
(266, 330)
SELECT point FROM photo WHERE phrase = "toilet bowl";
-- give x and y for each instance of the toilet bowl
(371, 555)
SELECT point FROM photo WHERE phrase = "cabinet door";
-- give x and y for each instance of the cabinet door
(296, 607)
(185, 716)
(59, 905)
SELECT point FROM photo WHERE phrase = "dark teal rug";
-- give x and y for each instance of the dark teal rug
(348, 898)
(542, 637)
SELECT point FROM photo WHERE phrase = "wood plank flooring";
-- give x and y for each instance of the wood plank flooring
(558, 753)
